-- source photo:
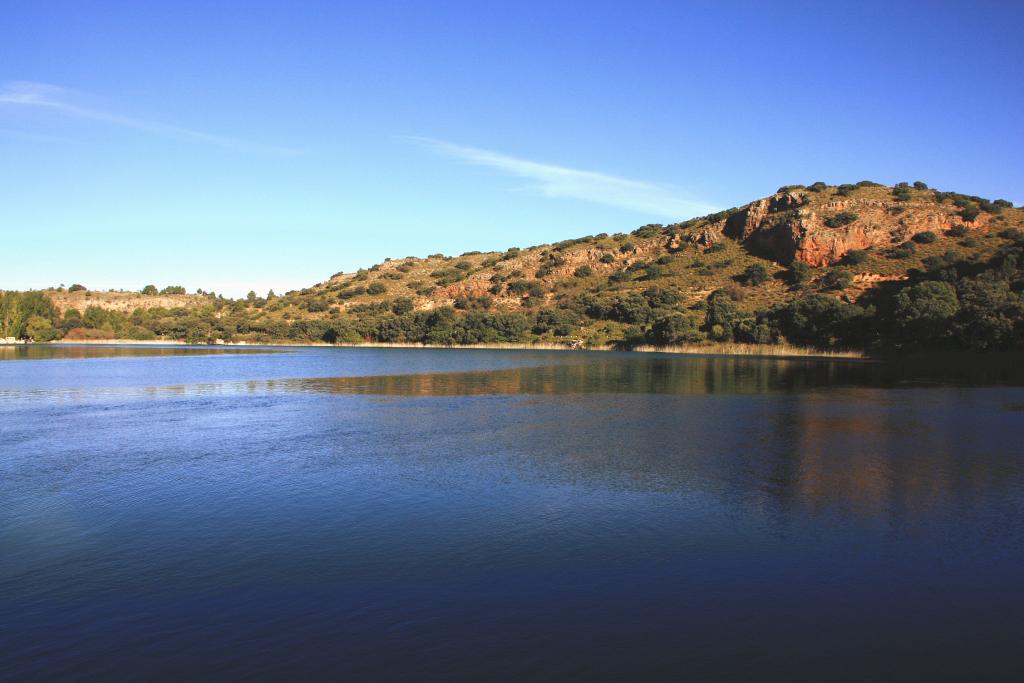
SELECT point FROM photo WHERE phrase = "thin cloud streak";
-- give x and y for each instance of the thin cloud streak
(55, 98)
(558, 181)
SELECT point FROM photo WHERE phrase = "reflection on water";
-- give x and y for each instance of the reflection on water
(401, 515)
(82, 351)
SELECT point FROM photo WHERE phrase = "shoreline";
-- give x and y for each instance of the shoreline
(717, 349)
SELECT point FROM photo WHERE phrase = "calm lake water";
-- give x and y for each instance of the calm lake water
(194, 514)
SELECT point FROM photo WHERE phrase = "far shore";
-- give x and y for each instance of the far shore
(714, 349)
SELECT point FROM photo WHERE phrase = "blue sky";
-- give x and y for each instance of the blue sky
(245, 145)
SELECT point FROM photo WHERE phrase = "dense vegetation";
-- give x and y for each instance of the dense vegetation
(961, 289)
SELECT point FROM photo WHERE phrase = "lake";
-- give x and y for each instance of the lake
(407, 514)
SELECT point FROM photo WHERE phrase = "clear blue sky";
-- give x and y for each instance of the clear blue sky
(235, 145)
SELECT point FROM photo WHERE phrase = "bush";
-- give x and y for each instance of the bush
(755, 274)
(840, 219)
(525, 288)
(855, 257)
(799, 273)
(926, 237)
(651, 230)
(76, 288)
(401, 305)
(821, 320)
(557, 321)
(376, 288)
(902, 192)
(351, 292)
(958, 230)
(583, 271)
(904, 251)
(652, 272)
(659, 297)
(149, 290)
(969, 212)
(817, 187)
(918, 185)
(837, 278)
(675, 329)
(607, 258)
(845, 190)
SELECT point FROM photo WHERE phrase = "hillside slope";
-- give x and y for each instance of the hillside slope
(859, 265)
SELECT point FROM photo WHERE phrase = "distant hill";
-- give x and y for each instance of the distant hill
(860, 266)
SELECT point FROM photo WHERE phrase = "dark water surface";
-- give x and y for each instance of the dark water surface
(196, 514)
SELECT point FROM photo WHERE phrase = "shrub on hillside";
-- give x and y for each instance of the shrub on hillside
(926, 237)
(401, 305)
(969, 212)
(837, 278)
(958, 230)
(799, 273)
(651, 230)
(855, 257)
(904, 251)
(841, 219)
(902, 192)
(755, 274)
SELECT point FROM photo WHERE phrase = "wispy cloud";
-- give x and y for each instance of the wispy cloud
(66, 101)
(559, 181)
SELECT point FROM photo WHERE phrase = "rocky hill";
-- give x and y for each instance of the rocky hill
(847, 265)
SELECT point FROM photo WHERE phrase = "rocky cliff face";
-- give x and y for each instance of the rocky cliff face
(820, 228)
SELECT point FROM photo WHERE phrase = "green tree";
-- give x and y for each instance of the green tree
(923, 313)
(721, 316)
(678, 328)
(150, 290)
(40, 329)
(821, 320)
(799, 273)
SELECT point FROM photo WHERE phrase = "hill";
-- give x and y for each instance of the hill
(849, 266)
